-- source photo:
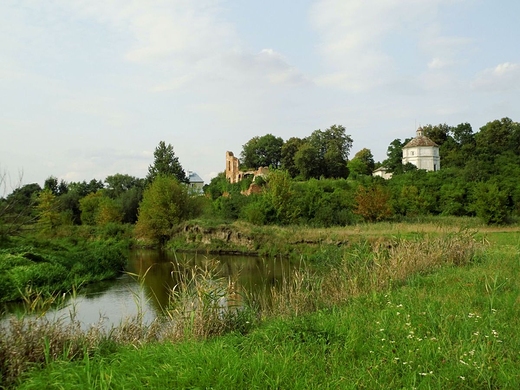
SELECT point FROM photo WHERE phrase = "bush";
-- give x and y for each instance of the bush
(165, 204)
(490, 204)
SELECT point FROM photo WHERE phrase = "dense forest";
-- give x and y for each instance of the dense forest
(312, 181)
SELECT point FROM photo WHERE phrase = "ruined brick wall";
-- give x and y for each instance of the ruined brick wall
(233, 172)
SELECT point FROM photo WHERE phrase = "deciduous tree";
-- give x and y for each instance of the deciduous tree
(265, 151)
(373, 203)
(47, 211)
(363, 163)
(165, 204)
(289, 150)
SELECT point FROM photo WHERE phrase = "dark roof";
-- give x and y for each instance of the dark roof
(420, 140)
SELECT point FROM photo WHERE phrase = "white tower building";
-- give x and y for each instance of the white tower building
(422, 152)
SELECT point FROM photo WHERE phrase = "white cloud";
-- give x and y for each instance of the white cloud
(358, 39)
(503, 77)
(176, 31)
(188, 44)
(437, 63)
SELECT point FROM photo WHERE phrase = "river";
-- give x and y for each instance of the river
(150, 277)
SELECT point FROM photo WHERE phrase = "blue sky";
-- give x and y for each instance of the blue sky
(88, 88)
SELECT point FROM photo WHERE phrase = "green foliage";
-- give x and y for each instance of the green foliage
(129, 203)
(127, 191)
(490, 203)
(307, 161)
(18, 206)
(438, 134)
(57, 188)
(322, 154)
(109, 211)
(217, 186)
(166, 164)
(497, 137)
(324, 203)
(47, 211)
(288, 153)
(363, 163)
(89, 206)
(265, 151)
(119, 184)
(165, 204)
(231, 206)
(394, 160)
(279, 199)
(83, 188)
(44, 266)
(454, 199)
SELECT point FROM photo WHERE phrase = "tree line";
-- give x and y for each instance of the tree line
(311, 182)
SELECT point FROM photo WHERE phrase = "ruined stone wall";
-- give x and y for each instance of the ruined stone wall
(233, 172)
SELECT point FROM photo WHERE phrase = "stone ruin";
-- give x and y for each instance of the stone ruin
(234, 174)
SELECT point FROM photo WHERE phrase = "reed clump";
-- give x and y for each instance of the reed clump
(35, 341)
(370, 266)
(203, 304)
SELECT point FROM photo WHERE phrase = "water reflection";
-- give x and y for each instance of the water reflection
(160, 273)
(152, 275)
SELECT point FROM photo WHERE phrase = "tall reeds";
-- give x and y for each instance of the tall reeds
(371, 266)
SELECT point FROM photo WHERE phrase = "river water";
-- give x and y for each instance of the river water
(151, 276)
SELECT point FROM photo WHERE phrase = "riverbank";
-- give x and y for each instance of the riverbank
(33, 265)
(296, 241)
(384, 316)
(455, 329)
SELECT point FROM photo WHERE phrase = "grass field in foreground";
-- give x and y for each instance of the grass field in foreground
(458, 328)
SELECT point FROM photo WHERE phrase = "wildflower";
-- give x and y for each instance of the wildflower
(462, 377)
(463, 362)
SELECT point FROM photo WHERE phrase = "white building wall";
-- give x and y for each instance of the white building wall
(423, 157)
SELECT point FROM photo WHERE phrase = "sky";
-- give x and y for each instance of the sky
(88, 88)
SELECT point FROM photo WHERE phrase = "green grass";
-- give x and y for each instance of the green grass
(456, 328)
(33, 265)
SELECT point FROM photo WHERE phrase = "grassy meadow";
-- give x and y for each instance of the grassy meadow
(414, 306)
